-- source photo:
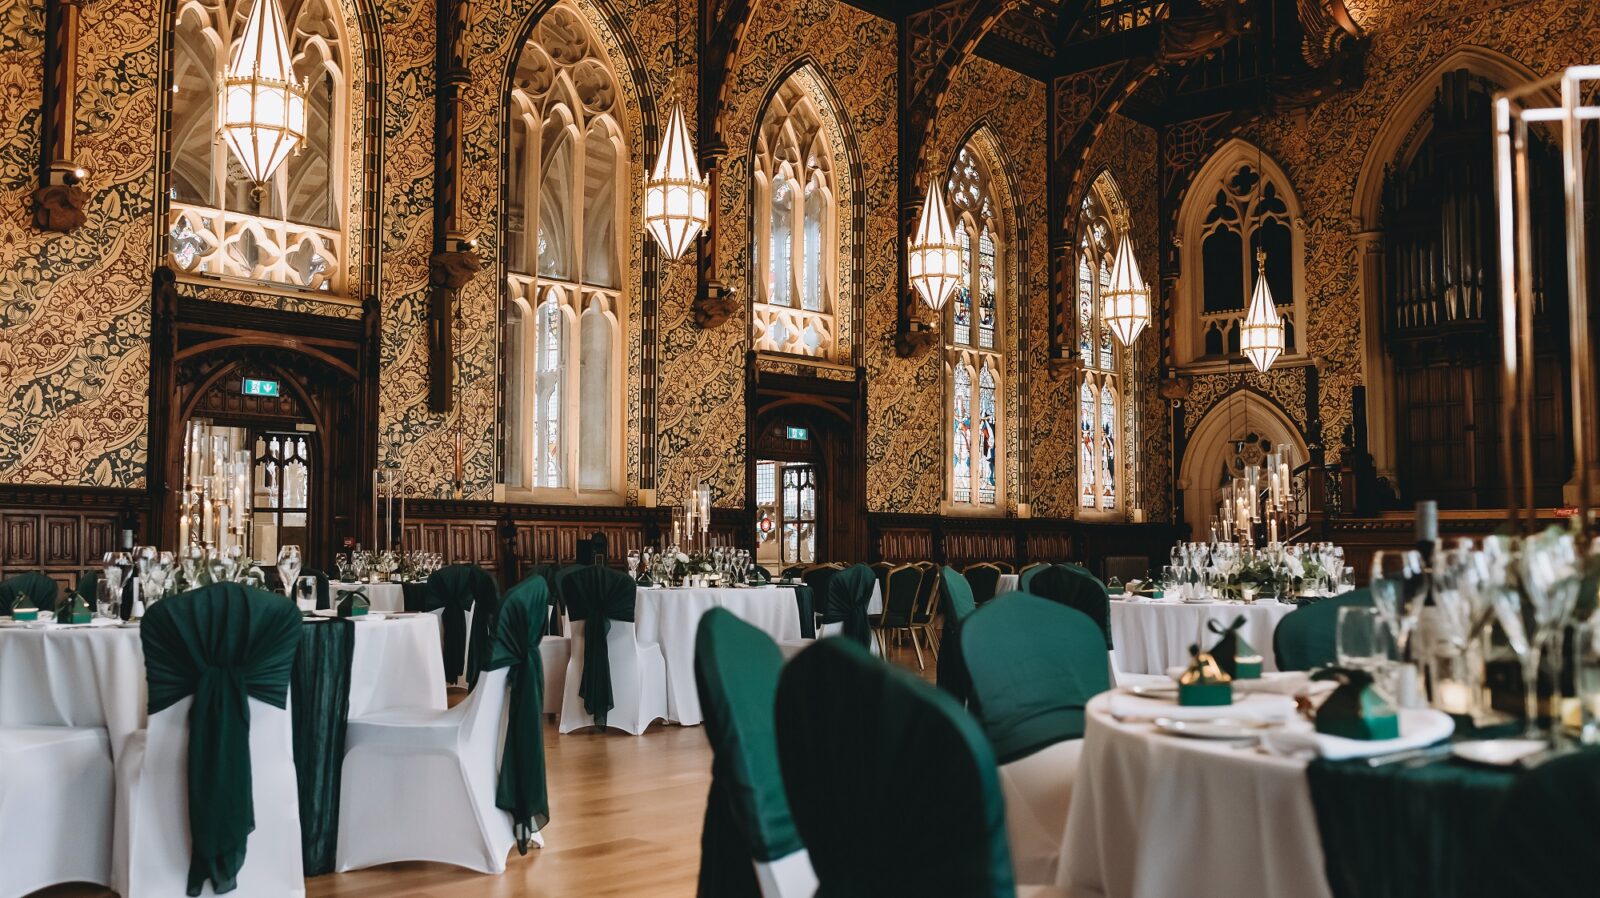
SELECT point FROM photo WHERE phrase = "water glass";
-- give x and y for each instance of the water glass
(108, 598)
(305, 594)
(1362, 639)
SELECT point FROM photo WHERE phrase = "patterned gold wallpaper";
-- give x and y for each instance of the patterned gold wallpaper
(74, 308)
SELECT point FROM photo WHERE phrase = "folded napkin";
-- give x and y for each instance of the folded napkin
(1419, 727)
(1247, 707)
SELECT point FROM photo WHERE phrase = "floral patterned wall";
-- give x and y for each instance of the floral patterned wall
(75, 308)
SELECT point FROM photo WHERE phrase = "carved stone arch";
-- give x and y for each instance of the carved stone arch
(849, 196)
(1233, 153)
(1240, 413)
(1406, 125)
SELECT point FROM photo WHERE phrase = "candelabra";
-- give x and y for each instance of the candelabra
(215, 499)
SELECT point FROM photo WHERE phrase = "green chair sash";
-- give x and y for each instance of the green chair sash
(455, 589)
(522, 791)
(319, 689)
(88, 584)
(596, 596)
(1034, 665)
(1307, 637)
(222, 644)
(892, 786)
(805, 602)
(736, 669)
(849, 593)
(39, 589)
(1076, 588)
(958, 603)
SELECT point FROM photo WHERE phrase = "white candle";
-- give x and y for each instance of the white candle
(183, 522)
(1452, 697)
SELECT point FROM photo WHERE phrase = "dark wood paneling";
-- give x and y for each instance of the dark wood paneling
(61, 531)
(961, 541)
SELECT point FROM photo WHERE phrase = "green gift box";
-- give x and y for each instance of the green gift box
(1237, 658)
(75, 611)
(23, 609)
(1204, 683)
(353, 603)
(1355, 710)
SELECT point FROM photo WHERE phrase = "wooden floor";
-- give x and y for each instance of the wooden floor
(625, 815)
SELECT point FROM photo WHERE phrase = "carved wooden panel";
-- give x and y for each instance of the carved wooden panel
(61, 543)
(22, 540)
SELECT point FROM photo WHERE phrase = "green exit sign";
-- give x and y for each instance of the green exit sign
(256, 387)
(799, 434)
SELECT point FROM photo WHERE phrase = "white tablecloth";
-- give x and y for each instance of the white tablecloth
(1156, 816)
(1151, 636)
(94, 676)
(669, 617)
(384, 597)
(1008, 583)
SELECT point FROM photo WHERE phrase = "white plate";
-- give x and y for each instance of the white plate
(1158, 692)
(1205, 601)
(1219, 728)
(1498, 752)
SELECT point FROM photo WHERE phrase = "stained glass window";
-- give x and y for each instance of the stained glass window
(1108, 447)
(811, 291)
(961, 313)
(961, 438)
(1107, 354)
(1085, 306)
(564, 236)
(782, 223)
(986, 437)
(1087, 456)
(973, 338)
(986, 288)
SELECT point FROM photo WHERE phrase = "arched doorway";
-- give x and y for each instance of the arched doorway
(805, 488)
(291, 417)
(1239, 430)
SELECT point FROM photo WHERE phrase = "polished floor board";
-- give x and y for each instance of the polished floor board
(625, 821)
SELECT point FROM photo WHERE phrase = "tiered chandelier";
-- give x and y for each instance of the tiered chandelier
(676, 198)
(263, 107)
(933, 264)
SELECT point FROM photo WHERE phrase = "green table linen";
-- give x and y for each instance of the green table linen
(319, 688)
(222, 644)
(521, 790)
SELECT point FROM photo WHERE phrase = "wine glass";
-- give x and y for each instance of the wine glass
(108, 598)
(1361, 641)
(1398, 587)
(633, 563)
(1535, 615)
(288, 568)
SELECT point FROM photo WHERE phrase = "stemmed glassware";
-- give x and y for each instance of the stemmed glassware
(1398, 587)
(633, 563)
(288, 568)
(1534, 615)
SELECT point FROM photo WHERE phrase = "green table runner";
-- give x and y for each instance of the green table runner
(1398, 831)
(319, 687)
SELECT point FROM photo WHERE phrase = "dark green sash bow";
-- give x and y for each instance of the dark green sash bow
(521, 791)
(849, 592)
(596, 596)
(455, 589)
(223, 644)
(39, 589)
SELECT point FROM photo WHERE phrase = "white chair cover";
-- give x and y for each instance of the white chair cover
(556, 653)
(151, 854)
(419, 785)
(790, 876)
(1038, 792)
(56, 797)
(638, 682)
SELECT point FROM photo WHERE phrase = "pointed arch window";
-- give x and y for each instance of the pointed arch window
(293, 231)
(1238, 203)
(973, 340)
(1102, 417)
(794, 250)
(562, 349)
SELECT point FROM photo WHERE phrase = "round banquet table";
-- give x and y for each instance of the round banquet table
(670, 617)
(1154, 816)
(1152, 635)
(93, 675)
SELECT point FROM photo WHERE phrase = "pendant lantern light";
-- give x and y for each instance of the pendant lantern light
(1127, 303)
(263, 107)
(1261, 337)
(675, 195)
(933, 264)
